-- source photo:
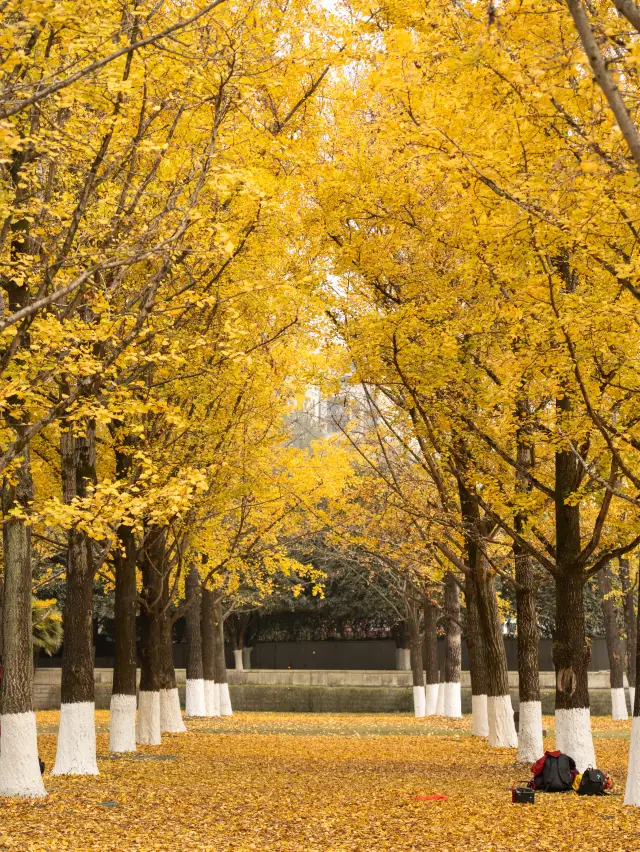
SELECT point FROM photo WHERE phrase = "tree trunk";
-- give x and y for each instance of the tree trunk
(19, 768)
(614, 645)
(76, 752)
(195, 705)
(440, 701)
(152, 564)
(632, 790)
(502, 731)
(530, 744)
(208, 652)
(430, 655)
(122, 718)
(171, 721)
(221, 667)
(122, 727)
(400, 633)
(629, 610)
(571, 653)
(415, 647)
(452, 653)
(477, 662)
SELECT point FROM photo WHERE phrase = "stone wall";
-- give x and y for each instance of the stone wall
(308, 691)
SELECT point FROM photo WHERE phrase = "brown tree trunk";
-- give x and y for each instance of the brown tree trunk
(501, 724)
(193, 617)
(76, 753)
(122, 718)
(19, 768)
(151, 615)
(79, 474)
(17, 660)
(614, 645)
(430, 653)
(453, 632)
(207, 631)
(126, 597)
(126, 602)
(221, 666)
(475, 640)
(415, 648)
(629, 610)
(152, 561)
(430, 645)
(528, 637)
(477, 661)
(195, 700)
(452, 649)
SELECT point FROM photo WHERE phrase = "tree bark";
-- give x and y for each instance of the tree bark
(122, 718)
(452, 663)
(221, 666)
(19, 768)
(76, 752)
(208, 653)
(195, 702)
(629, 610)
(501, 724)
(430, 655)
(571, 652)
(477, 661)
(171, 721)
(614, 645)
(152, 559)
(415, 648)
(632, 790)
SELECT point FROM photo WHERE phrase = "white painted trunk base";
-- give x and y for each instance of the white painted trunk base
(216, 698)
(452, 701)
(573, 736)
(225, 700)
(122, 723)
(440, 701)
(632, 698)
(76, 752)
(431, 699)
(403, 660)
(632, 790)
(19, 767)
(502, 728)
(479, 716)
(530, 746)
(148, 730)
(170, 715)
(619, 704)
(237, 654)
(195, 700)
(418, 702)
(210, 704)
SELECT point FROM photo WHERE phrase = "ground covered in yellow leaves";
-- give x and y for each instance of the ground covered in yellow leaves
(267, 781)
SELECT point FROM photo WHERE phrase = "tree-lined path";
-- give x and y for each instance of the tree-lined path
(314, 782)
(412, 230)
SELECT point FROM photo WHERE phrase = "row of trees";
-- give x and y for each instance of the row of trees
(154, 332)
(203, 215)
(478, 209)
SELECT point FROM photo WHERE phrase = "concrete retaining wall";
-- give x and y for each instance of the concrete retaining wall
(322, 691)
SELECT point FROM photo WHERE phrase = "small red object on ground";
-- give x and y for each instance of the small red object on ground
(437, 797)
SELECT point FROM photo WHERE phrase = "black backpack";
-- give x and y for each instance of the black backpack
(592, 783)
(556, 773)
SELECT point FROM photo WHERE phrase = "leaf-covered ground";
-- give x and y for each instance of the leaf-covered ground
(267, 781)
